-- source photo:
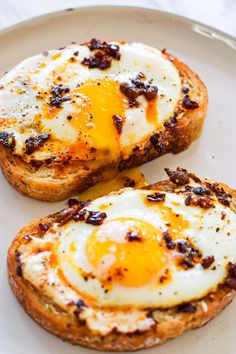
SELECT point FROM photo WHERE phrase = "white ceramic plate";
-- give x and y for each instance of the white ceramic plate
(211, 54)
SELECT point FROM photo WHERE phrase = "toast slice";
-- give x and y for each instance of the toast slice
(57, 181)
(166, 324)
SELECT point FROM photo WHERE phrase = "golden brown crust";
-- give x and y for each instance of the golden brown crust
(60, 182)
(169, 324)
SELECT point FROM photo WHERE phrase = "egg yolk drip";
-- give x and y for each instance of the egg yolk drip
(126, 251)
(132, 178)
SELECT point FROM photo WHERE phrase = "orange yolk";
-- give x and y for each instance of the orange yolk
(92, 106)
(101, 99)
(126, 251)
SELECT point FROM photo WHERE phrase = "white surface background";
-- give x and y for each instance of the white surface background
(217, 13)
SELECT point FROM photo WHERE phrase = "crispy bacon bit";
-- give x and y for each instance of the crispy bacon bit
(189, 104)
(118, 122)
(103, 57)
(130, 91)
(133, 103)
(73, 202)
(187, 308)
(44, 227)
(231, 283)
(184, 247)
(98, 60)
(113, 51)
(189, 252)
(188, 188)
(109, 49)
(1, 87)
(199, 200)
(133, 236)
(151, 92)
(138, 88)
(35, 142)
(18, 264)
(194, 177)
(204, 202)
(90, 217)
(224, 201)
(185, 89)
(7, 139)
(49, 161)
(95, 217)
(220, 193)
(179, 177)
(159, 142)
(65, 216)
(188, 199)
(168, 240)
(207, 261)
(80, 216)
(80, 305)
(231, 279)
(201, 190)
(156, 197)
(36, 163)
(58, 97)
(171, 123)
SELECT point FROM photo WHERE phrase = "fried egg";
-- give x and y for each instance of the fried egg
(79, 111)
(134, 249)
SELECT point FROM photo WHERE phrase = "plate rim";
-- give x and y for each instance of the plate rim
(59, 13)
(217, 34)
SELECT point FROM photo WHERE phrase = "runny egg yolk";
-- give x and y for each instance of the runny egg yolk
(101, 99)
(96, 110)
(126, 251)
(132, 177)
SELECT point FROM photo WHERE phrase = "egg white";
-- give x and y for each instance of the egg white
(18, 97)
(185, 285)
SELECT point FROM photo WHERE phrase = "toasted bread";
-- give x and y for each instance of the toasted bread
(59, 181)
(169, 323)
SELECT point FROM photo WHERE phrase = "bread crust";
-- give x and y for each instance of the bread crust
(68, 328)
(58, 182)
